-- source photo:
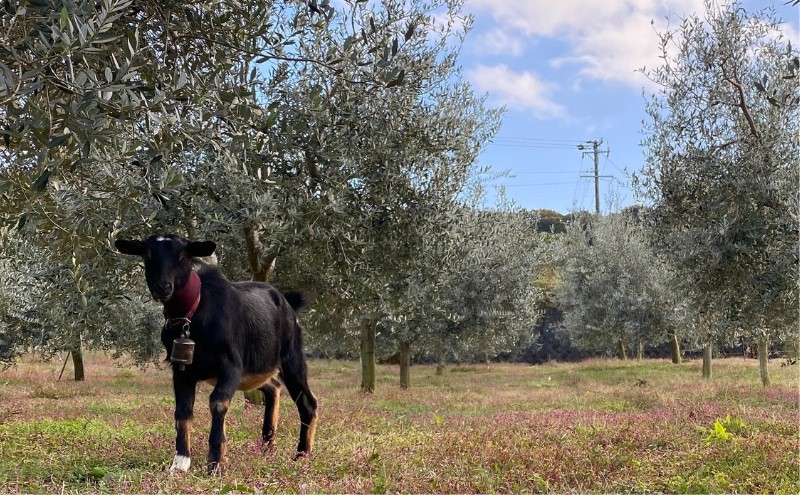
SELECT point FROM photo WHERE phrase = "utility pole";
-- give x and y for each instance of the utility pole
(596, 153)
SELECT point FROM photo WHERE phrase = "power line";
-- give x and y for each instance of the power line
(522, 138)
(538, 184)
(541, 143)
(578, 184)
(587, 148)
(535, 146)
(623, 172)
(585, 190)
(570, 172)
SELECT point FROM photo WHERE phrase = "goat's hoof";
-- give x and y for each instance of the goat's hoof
(215, 468)
(301, 455)
(268, 447)
(180, 464)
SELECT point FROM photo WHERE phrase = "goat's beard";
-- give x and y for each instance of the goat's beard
(162, 298)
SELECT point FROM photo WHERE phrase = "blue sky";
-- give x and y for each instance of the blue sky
(566, 71)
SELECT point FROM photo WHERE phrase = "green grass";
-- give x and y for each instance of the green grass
(598, 426)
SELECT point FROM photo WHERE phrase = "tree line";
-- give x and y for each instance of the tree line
(334, 151)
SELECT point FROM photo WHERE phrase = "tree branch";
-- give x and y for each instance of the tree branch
(742, 104)
(261, 269)
(274, 56)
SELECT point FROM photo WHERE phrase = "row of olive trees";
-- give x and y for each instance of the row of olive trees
(715, 256)
(324, 152)
(474, 295)
(615, 290)
(722, 147)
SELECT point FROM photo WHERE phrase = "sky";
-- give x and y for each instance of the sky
(567, 72)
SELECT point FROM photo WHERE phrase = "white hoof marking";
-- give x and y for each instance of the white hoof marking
(180, 463)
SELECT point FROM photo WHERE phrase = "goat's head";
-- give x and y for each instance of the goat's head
(167, 261)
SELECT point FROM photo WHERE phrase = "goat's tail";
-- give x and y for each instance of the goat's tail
(296, 299)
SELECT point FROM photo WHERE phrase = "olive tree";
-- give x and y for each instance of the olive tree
(382, 165)
(316, 143)
(22, 323)
(121, 116)
(110, 111)
(477, 297)
(613, 288)
(492, 297)
(722, 171)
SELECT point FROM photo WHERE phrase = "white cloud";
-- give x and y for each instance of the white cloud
(607, 40)
(792, 34)
(500, 42)
(516, 90)
(788, 32)
(585, 41)
(616, 54)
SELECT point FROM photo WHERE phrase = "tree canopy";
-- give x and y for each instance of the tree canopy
(614, 289)
(722, 166)
(320, 147)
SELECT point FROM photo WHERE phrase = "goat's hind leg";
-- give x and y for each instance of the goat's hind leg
(296, 380)
(272, 394)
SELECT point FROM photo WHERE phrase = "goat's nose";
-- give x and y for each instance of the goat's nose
(164, 286)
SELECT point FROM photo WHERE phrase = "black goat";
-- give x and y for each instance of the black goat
(244, 334)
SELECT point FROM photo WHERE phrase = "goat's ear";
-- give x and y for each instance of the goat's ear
(134, 248)
(200, 249)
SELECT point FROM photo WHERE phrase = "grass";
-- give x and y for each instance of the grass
(598, 426)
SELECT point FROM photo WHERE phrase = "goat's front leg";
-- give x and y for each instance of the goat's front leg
(219, 403)
(184, 407)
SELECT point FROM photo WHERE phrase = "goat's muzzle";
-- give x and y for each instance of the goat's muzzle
(162, 292)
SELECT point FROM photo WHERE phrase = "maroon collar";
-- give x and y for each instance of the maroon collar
(183, 304)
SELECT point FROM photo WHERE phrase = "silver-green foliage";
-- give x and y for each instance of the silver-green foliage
(385, 164)
(476, 297)
(721, 144)
(114, 112)
(613, 286)
(337, 140)
(22, 322)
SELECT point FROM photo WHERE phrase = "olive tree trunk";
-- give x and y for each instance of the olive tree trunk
(77, 359)
(763, 354)
(707, 361)
(621, 350)
(368, 356)
(405, 365)
(440, 363)
(675, 350)
(261, 269)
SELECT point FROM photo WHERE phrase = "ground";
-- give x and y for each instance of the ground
(597, 426)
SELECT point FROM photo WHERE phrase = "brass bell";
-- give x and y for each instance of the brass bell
(182, 352)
